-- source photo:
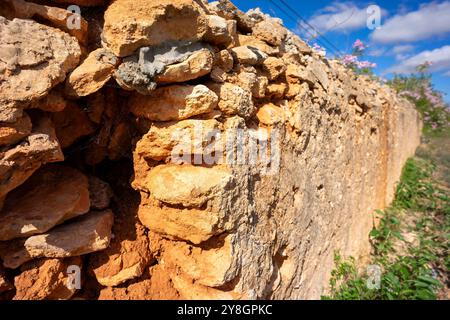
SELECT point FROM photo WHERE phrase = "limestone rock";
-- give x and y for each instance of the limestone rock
(71, 124)
(129, 252)
(248, 55)
(92, 74)
(188, 186)
(274, 67)
(276, 90)
(86, 234)
(224, 60)
(250, 81)
(54, 16)
(314, 74)
(271, 32)
(252, 41)
(175, 102)
(197, 65)
(46, 279)
(29, 68)
(220, 31)
(229, 11)
(100, 193)
(131, 24)
(11, 133)
(211, 267)
(165, 140)
(156, 285)
(234, 100)
(191, 225)
(53, 102)
(51, 196)
(192, 291)
(293, 44)
(140, 71)
(19, 163)
(270, 114)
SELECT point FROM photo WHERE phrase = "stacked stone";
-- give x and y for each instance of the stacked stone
(127, 88)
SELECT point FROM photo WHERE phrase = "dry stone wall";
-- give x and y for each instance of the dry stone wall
(203, 153)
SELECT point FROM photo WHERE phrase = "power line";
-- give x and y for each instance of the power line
(307, 31)
(312, 27)
(289, 16)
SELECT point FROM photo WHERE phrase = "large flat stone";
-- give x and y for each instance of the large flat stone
(87, 234)
(19, 163)
(34, 58)
(175, 102)
(131, 24)
(51, 196)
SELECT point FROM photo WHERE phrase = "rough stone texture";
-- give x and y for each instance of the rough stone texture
(156, 285)
(211, 267)
(129, 252)
(274, 67)
(131, 24)
(220, 31)
(197, 65)
(270, 114)
(270, 31)
(56, 17)
(188, 135)
(51, 196)
(227, 10)
(34, 58)
(234, 99)
(248, 55)
(191, 225)
(100, 193)
(53, 102)
(19, 163)
(11, 133)
(92, 74)
(247, 178)
(167, 61)
(251, 41)
(175, 102)
(46, 279)
(85, 235)
(71, 124)
(188, 186)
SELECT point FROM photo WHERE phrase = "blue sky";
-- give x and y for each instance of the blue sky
(411, 31)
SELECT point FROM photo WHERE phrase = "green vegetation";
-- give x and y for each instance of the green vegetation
(418, 88)
(410, 245)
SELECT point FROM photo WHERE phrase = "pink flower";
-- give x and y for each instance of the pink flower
(349, 59)
(365, 65)
(359, 45)
(410, 94)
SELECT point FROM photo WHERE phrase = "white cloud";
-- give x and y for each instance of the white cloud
(402, 48)
(439, 57)
(430, 20)
(340, 17)
(402, 52)
(376, 52)
(447, 74)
